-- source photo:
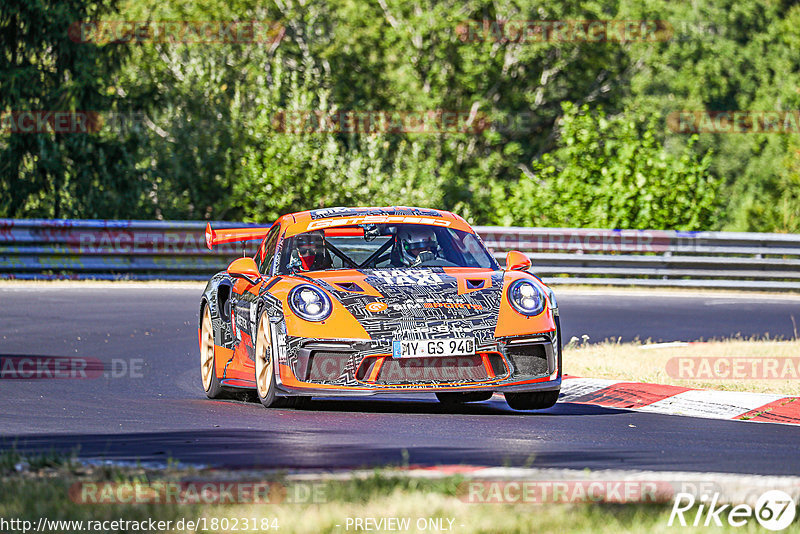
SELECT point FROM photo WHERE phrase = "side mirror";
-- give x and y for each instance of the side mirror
(244, 268)
(517, 261)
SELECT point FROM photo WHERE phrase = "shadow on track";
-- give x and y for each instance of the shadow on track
(329, 433)
(407, 405)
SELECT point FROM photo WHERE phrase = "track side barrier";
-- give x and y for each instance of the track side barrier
(175, 250)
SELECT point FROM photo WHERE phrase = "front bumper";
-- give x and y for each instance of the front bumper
(364, 368)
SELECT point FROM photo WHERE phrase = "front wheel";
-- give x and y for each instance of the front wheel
(265, 371)
(264, 362)
(536, 400)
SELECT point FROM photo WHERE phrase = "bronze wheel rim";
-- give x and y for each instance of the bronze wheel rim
(206, 350)
(264, 364)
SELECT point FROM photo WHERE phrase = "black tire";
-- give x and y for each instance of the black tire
(536, 400)
(460, 398)
(208, 374)
(264, 363)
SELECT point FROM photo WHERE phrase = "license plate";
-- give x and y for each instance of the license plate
(417, 348)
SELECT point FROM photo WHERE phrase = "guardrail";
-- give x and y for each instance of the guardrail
(112, 250)
(97, 249)
(654, 257)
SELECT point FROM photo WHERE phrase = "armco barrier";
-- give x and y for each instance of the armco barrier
(654, 257)
(78, 249)
(98, 249)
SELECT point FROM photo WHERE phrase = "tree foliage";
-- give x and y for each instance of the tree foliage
(576, 131)
(614, 173)
(62, 174)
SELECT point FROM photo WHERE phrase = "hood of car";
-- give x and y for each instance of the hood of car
(425, 302)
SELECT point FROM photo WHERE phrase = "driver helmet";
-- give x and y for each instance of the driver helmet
(310, 246)
(414, 240)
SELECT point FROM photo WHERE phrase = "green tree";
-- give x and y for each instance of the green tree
(42, 69)
(208, 148)
(285, 170)
(727, 55)
(612, 172)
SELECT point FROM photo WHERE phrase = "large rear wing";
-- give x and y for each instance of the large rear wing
(232, 235)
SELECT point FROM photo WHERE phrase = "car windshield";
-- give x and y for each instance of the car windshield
(383, 246)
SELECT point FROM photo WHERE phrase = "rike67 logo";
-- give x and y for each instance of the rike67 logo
(775, 510)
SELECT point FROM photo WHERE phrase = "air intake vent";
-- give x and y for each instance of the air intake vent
(434, 369)
(475, 284)
(496, 361)
(528, 360)
(350, 286)
(327, 366)
(365, 369)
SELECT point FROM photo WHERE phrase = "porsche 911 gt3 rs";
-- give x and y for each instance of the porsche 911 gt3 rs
(364, 301)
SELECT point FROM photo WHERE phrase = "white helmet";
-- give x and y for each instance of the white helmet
(415, 239)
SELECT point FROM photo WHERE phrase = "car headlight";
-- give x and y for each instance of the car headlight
(310, 303)
(526, 297)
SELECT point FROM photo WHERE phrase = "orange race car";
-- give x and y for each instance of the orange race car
(364, 301)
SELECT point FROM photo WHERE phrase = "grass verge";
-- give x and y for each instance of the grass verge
(427, 505)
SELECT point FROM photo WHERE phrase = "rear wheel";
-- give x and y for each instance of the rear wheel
(536, 400)
(459, 398)
(208, 372)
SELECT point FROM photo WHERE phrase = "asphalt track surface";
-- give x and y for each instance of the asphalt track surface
(158, 411)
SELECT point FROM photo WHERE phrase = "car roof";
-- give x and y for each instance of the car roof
(304, 221)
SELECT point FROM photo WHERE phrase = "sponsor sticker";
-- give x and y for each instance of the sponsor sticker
(463, 305)
(408, 277)
(377, 307)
